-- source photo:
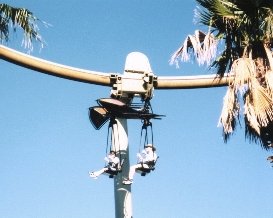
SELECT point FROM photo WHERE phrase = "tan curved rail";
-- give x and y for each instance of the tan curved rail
(192, 82)
(54, 69)
(99, 78)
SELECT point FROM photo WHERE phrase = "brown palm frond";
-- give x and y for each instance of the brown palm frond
(262, 104)
(250, 116)
(269, 82)
(251, 134)
(209, 49)
(245, 28)
(200, 45)
(230, 112)
(243, 70)
(258, 105)
(181, 52)
(195, 44)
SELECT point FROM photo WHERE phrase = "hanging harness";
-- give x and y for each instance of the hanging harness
(147, 166)
(113, 168)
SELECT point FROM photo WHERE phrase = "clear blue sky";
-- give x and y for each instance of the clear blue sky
(48, 145)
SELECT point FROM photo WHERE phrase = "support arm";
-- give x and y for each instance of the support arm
(192, 82)
(104, 79)
(54, 69)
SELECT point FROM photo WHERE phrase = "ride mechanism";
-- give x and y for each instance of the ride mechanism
(136, 83)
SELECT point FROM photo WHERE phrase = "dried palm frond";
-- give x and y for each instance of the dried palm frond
(246, 30)
(252, 133)
(258, 116)
(230, 112)
(243, 70)
(269, 82)
(209, 49)
(200, 45)
(195, 44)
(258, 105)
(264, 137)
(262, 104)
(269, 56)
(250, 116)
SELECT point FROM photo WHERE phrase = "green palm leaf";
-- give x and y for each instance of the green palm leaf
(12, 18)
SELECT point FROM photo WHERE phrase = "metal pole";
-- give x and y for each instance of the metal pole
(123, 198)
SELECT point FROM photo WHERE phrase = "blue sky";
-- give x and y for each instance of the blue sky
(48, 144)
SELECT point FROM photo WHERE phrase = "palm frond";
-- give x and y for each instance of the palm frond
(12, 18)
(246, 30)
(267, 136)
(225, 9)
(269, 57)
(244, 70)
(267, 23)
(222, 64)
(230, 113)
(251, 120)
(264, 137)
(269, 82)
(258, 105)
(262, 104)
(251, 133)
(258, 115)
(201, 46)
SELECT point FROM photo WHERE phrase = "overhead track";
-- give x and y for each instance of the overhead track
(104, 79)
(54, 69)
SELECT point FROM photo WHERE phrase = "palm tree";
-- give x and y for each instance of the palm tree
(246, 30)
(11, 18)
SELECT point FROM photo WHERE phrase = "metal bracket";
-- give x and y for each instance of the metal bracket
(133, 83)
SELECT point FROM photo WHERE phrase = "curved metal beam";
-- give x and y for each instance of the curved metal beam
(191, 82)
(54, 69)
(99, 78)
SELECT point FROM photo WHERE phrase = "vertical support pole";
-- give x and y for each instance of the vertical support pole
(123, 198)
(137, 68)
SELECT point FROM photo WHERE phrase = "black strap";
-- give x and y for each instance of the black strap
(145, 129)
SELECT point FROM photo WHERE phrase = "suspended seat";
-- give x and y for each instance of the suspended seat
(114, 169)
(147, 139)
(147, 167)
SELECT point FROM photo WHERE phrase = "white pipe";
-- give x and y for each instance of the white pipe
(123, 195)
